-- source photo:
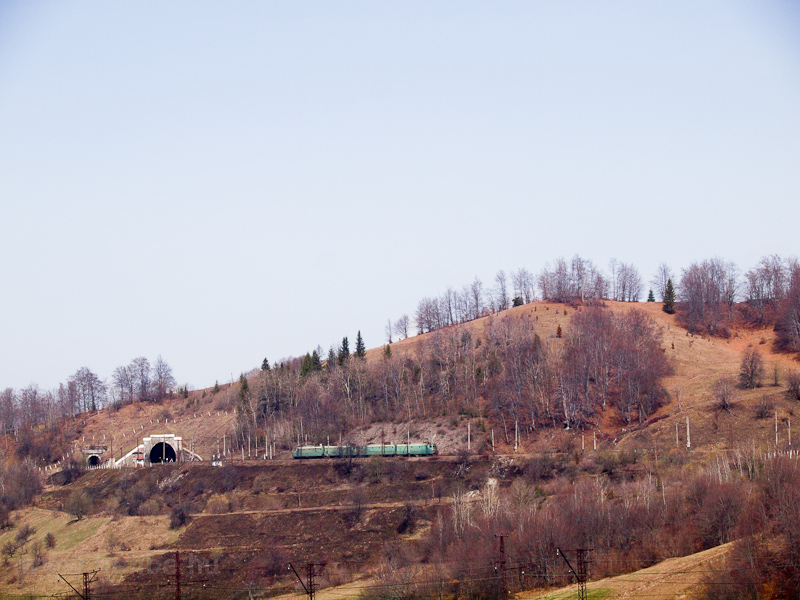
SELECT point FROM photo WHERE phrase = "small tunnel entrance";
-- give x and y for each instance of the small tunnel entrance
(94, 460)
(162, 452)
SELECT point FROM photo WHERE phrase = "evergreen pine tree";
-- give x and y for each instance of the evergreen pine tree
(651, 297)
(344, 351)
(265, 365)
(669, 298)
(387, 351)
(361, 350)
(216, 387)
(315, 363)
(331, 359)
(305, 365)
(244, 388)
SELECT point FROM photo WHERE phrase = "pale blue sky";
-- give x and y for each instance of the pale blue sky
(219, 182)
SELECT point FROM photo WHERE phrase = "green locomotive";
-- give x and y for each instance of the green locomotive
(322, 451)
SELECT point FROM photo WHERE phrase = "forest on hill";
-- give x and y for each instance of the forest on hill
(512, 371)
(508, 375)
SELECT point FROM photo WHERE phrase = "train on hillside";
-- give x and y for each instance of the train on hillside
(352, 451)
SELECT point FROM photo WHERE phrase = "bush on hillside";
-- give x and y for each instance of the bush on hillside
(78, 504)
(179, 516)
(793, 381)
(218, 504)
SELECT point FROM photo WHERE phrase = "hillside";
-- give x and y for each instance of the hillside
(404, 525)
(204, 417)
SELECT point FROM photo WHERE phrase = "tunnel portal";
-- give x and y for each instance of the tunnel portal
(94, 460)
(162, 453)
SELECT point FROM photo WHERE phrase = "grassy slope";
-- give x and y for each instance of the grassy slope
(673, 578)
(81, 546)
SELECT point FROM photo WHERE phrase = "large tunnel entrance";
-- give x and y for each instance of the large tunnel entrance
(94, 460)
(162, 452)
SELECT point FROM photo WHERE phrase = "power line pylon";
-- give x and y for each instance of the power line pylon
(311, 572)
(88, 579)
(582, 572)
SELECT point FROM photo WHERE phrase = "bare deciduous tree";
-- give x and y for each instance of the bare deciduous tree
(723, 394)
(787, 326)
(500, 292)
(91, 390)
(401, 326)
(707, 293)
(660, 279)
(629, 283)
(751, 371)
(8, 411)
(140, 368)
(476, 298)
(125, 384)
(524, 286)
(163, 380)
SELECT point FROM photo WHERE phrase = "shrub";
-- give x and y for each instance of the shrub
(763, 408)
(793, 381)
(261, 483)
(24, 534)
(5, 516)
(38, 554)
(218, 504)
(149, 508)
(50, 540)
(71, 471)
(77, 504)
(751, 371)
(722, 394)
(179, 516)
(409, 522)
(8, 550)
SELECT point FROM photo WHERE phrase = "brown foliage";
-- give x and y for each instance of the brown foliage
(787, 326)
(751, 371)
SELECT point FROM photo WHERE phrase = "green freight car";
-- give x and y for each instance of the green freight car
(322, 451)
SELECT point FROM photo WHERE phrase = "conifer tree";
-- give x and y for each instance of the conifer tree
(331, 359)
(651, 297)
(669, 299)
(244, 388)
(387, 351)
(344, 351)
(265, 365)
(361, 350)
(305, 365)
(315, 363)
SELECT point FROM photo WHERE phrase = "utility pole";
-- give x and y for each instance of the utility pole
(88, 579)
(500, 568)
(582, 573)
(776, 430)
(177, 575)
(688, 436)
(311, 572)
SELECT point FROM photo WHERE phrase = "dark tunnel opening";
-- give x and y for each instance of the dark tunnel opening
(162, 452)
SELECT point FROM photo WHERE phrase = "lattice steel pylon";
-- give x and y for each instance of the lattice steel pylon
(582, 572)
